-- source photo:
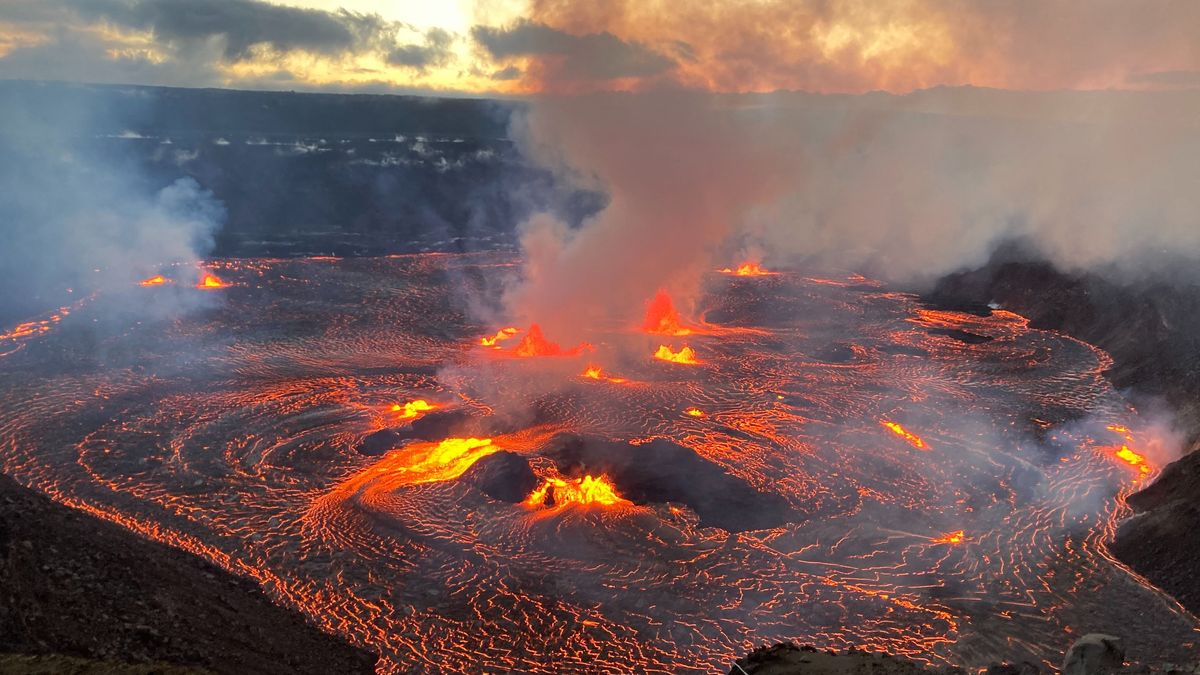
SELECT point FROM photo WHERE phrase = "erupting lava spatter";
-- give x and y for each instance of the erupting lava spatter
(535, 344)
(500, 336)
(950, 538)
(748, 269)
(913, 439)
(694, 412)
(264, 469)
(584, 491)
(412, 408)
(662, 318)
(156, 280)
(686, 355)
(210, 281)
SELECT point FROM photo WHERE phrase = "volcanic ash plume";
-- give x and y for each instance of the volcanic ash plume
(901, 187)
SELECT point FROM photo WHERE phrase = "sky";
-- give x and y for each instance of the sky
(516, 47)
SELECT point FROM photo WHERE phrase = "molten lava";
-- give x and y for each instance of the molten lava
(913, 439)
(694, 412)
(1132, 459)
(951, 538)
(500, 336)
(210, 281)
(412, 409)
(156, 280)
(686, 355)
(661, 317)
(593, 373)
(583, 491)
(535, 344)
(748, 269)
(436, 462)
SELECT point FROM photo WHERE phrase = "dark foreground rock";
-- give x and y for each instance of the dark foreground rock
(1160, 541)
(788, 659)
(75, 586)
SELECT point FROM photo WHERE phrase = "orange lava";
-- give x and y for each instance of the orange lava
(661, 317)
(748, 269)
(694, 412)
(593, 372)
(434, 462)
(500, 336)
(210, 281)
(951, 538)
(584, 491)
(156, 280)
(913, 439)
(686, 355)
(412, 409)
(1132, 459)
(535, 344)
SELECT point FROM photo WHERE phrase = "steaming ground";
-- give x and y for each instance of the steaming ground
(233, 431)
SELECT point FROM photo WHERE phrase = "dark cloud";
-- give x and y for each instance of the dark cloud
(83, 57)
(504, 74)
(596, 56)
(435, 51)
(242, 24)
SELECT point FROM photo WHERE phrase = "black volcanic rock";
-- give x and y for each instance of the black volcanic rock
(1160, 543)
(75, 586)
(504, 476)
(1150, 328)
(661, 471)
(380, 442)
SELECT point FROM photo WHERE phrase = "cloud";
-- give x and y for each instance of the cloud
(243, 25)
(435, 52)
(506, 73)
(591, 56)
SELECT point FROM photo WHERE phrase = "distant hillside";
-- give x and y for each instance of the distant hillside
(161, 111)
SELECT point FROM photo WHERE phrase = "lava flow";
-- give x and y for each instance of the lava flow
(913, 439)
(484, 535)
(535, 344)
(156, 280)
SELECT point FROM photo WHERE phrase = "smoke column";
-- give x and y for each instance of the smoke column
(905, 188)
(76, 215)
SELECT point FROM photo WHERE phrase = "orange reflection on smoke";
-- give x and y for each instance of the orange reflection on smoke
(913, 439)
(584, 491)
(686, 355)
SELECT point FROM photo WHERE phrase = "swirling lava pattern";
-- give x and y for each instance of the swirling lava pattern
(232, 431)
